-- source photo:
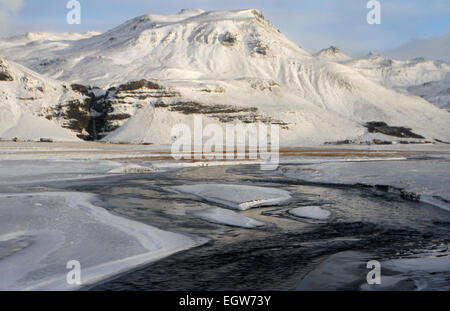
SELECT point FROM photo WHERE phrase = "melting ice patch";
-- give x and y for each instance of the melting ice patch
(226, 217)
(239, 197)
(312, 212)
(41, 232)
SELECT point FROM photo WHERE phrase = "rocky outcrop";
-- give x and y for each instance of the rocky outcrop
(5, 74)
(229, 39)
(222, 113)
(112, 109)
(397, 131)
(74, 113)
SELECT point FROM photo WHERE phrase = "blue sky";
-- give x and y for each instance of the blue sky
(313, 24)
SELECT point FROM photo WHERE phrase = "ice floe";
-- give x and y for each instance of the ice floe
(226, 217)
(312, 212)
(239, 197)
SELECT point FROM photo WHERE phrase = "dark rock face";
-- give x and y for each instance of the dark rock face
(5, 74)
(334, 49)
(110, 110)
(396, 131)
(136, 85)
(95, 116)
(74, 115)
(229, 39)
(190, 107)
(80, 89)
(261, 49)
(223, 113)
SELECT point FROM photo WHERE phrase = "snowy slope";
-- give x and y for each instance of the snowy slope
(400, 73)
(214, 60)
(436, 92)
(419, 76)
(28, 103)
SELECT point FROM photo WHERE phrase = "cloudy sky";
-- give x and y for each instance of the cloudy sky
(313, 24)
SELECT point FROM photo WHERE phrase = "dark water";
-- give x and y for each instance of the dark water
(277, 256)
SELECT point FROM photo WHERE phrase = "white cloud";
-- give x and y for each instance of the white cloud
(8, 8)
(436, 48)
(11, 6)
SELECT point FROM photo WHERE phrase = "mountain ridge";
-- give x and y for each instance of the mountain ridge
(205, 61)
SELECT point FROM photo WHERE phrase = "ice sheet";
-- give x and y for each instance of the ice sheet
(428, 178)
(27, 171)
(240, 197)
(41, 232)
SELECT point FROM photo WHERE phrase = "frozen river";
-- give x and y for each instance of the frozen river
(305, 226)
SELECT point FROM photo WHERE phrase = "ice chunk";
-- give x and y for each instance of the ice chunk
(226, 217)
(240, 197)
(313, 212)
(41, 232)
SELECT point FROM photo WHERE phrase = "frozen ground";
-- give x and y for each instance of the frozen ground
(238, 197)
(25, 171)
(52, 229)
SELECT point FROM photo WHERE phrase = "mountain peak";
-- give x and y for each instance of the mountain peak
(333, 49)
(332, 53)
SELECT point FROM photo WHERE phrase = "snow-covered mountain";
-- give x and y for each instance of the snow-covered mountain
(419, 76)
(394, 73)
(229, 66)
(436, 92)
(34, 107)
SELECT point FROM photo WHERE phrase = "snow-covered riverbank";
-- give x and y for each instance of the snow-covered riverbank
(54, 228)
